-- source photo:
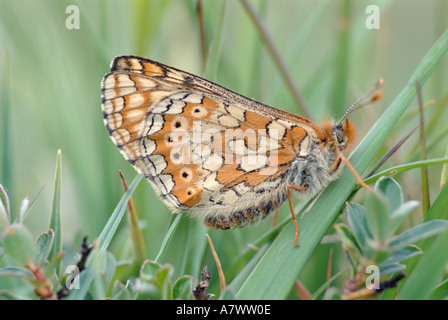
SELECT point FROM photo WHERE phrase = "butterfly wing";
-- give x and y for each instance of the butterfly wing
(204, 148)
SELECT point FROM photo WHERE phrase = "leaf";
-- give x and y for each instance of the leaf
(377, 215)
(402, 254)
(182, 288)
(391, 190)
(18, 242)
(120, 292)
(44, 244)
(399, 215)
(149, 269)
(51, 267)
(156, 280)
(163, 276)
(99, 281)
(15, 272)
(27, 204)
(4, 221)
(358, 224)
(24, 206)
(440, 292)
(346, 236)
(5, 213)
(391, 268)
(419, 232)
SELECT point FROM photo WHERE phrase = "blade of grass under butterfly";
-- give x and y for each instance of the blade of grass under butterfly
(104, 240)
(274, 275)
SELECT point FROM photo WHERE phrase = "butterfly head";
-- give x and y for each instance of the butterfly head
(340, 134)
(343, 134)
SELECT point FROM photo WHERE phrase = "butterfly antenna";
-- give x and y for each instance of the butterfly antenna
(356, 105)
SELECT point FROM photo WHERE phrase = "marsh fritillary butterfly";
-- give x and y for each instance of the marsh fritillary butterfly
(211, 152)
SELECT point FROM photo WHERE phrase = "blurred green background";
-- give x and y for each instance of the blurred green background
(50, 95)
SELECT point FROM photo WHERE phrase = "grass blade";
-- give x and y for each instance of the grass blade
(138, 243)
(391, 151)
(55, 223)
(426, 202)
(168, 237)
(112, 224)
(274, 275)
(405, 167)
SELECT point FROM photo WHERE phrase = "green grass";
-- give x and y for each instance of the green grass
(50, 100)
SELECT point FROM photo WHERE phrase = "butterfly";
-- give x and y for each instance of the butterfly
(211, 152)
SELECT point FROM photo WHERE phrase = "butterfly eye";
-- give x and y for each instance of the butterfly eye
(338, 135)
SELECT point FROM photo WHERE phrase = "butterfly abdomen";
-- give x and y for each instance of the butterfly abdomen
(243, 217)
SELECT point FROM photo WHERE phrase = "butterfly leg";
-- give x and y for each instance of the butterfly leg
(357, 177)
(294, 218)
